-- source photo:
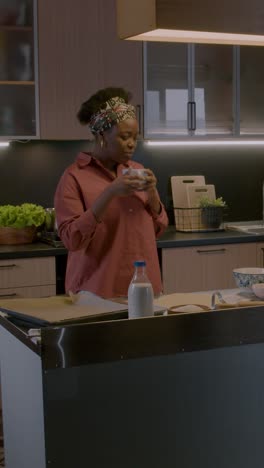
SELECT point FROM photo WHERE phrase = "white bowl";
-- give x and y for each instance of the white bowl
(246, 277)
(258, 290)
(134, 172)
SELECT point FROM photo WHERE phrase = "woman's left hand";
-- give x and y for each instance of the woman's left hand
(150, 188)
(150, 181)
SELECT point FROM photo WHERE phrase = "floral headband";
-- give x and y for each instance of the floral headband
(115, 111)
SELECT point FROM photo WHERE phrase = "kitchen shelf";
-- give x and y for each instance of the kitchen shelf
(16, 28)
(17, 83)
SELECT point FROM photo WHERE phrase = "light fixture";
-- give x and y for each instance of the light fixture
(4, 144)
(205, 21)
(230, 142)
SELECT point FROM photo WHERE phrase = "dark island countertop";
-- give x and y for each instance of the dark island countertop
(170, 239)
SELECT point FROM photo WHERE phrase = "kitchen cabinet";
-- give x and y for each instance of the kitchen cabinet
(198, 90)
(18, 88)
(260, 255)
(55, 60)
(251, 90)
(28, 277)
(188, 90)
(79, 53)
(188, 269)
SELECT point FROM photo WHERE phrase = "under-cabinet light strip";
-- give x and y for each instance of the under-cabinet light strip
(4, 144)
(206, 143)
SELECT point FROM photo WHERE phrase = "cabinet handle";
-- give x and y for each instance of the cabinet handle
(210, 251)
(139, 118)
(262, 257)
(191, 115)
(11, 265)
(9, 295)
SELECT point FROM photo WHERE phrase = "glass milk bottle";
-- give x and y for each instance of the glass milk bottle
(140, 293)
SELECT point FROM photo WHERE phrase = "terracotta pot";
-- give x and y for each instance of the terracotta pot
(11, 235)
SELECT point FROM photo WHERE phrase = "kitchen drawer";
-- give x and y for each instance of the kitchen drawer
(29, 291)
(15, 273)
(203, 268)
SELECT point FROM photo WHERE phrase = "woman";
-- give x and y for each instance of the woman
(108, 219)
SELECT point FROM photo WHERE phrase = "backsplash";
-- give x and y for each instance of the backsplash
(30, 172)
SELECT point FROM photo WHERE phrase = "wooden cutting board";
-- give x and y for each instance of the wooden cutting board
(179, 186)
(195, 192)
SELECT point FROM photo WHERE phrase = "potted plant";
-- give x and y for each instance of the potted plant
(19, 223)
(212, 211)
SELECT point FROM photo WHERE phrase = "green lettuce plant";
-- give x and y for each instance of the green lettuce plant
(20, 216)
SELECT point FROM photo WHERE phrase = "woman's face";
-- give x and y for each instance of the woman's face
(120, 141)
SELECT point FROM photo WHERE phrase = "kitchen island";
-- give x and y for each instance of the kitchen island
(179, 390)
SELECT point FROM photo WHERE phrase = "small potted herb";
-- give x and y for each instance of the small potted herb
(212, 211)
(19, 223)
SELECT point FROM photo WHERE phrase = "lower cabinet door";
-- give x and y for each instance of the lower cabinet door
(189, 269)
(30, 291)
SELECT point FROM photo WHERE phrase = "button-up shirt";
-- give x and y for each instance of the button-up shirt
(101, 254)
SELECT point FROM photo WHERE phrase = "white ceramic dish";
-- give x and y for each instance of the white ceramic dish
(132, 171)
(246, 277)
(258, 290)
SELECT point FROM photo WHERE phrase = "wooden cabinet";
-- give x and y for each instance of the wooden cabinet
(260, 255)
(204, 268)
(28, 277)
(17, 70)
(55, 60)
(79, 53)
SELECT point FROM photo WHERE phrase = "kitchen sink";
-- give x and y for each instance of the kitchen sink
(249, 227)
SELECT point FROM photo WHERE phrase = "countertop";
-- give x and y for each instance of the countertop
(36, 249)
(170, 239)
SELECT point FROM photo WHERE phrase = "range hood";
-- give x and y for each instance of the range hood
(239, 22)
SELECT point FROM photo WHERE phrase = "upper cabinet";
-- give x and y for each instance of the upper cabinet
(47, 71)
(251, 90)
(188, 90)
(198, 90)
(17, 69)
(79, 53)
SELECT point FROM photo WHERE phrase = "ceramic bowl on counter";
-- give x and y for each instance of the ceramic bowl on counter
(246, 277)
(258, 290)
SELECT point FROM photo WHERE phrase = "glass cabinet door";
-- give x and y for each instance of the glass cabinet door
(213, 89)
(188, 90)
(166, 90)
(251, 90)
(17, 76)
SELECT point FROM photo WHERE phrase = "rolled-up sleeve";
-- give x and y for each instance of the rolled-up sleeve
(76, 224)
(160, 220)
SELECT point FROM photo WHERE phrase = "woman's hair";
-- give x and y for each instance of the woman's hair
(98, 101)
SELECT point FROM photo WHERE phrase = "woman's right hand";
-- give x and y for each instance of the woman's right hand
(125, 185)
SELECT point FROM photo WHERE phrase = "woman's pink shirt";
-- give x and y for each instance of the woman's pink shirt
(101, 255)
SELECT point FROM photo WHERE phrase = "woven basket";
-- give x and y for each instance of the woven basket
(11, 235)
